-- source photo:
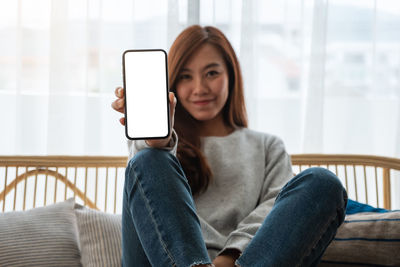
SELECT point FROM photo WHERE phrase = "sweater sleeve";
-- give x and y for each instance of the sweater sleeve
(134, 146)
(278, 171)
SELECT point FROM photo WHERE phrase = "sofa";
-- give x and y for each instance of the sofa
(61, 234)
(77, 231)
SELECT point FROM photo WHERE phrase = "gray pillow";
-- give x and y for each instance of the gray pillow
(366, 239)
(45, 236)
(100, 237)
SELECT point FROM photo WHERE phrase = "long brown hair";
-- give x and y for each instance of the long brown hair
(189, 153)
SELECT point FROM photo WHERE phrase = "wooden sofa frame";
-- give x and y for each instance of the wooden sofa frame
(33, 181)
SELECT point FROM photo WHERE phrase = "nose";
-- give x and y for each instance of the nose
(200, 86)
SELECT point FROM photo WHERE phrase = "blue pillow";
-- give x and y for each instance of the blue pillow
(356, 207)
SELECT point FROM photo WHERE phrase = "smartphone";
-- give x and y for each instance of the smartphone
(145, 75)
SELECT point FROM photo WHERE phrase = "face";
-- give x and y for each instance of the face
(202, 87)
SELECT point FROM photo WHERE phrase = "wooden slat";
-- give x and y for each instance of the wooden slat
(376, 186)
(345, 177)
(65, 185)
(35, 188)
(3, 195)
(365, 184)
(25, 182)
(45, 186)
(386, 188)
(106, 197)
(55, 188)
(86, 176)
(75, 177)
(95, 189)
(15, 188)
(355, 181)
(115, 189)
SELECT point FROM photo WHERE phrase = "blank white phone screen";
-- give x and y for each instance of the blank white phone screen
(146, 93)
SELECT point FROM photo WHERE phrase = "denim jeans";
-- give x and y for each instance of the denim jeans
(160, 226)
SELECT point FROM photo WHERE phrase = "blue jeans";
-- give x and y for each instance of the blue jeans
(160, 226)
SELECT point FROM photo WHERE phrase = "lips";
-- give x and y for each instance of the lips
(202, 102)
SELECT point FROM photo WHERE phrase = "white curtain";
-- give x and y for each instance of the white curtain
(323, 75)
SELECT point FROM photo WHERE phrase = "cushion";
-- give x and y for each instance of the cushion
(45, 236)
(100, 237)
(366, 239)
(357, 207)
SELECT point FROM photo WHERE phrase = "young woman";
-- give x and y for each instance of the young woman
(216, 192)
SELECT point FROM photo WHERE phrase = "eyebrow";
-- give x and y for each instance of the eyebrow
(214, 64)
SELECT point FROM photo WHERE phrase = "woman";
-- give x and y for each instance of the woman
(215, 189)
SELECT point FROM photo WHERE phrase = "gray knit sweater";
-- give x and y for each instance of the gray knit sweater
(249, 169)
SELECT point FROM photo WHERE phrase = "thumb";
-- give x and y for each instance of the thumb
(172, 105)
(172, 100)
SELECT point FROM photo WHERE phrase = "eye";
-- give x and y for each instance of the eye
(184, 77)
(212, 73)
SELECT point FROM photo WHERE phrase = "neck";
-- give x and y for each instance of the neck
(215, 127)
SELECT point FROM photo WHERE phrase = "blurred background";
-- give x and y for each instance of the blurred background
(322, 74)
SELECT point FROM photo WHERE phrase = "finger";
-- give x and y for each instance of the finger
(172, 102)
(116, 105)
(117, 91)
(172, 105)
(121, 103)
(172, 99)
(171, 96)
(122, 120)
(121, 92)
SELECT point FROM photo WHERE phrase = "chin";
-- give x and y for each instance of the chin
(204, 117)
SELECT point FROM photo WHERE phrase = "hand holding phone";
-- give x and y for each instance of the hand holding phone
(119, 105)
(146, 94)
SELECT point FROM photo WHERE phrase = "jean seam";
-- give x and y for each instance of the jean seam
(148, 207)
(339, 210)
(327, 226)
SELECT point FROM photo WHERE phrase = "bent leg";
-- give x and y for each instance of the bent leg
(302, 223)
(132, 250)
(158, 201)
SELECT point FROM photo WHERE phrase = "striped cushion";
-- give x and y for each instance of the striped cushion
(100, 237)
(366, 239)
(45, 236)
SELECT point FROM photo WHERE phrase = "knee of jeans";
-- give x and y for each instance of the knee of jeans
(321, 178)
(148, 157)
(325, 182)
(329, 189)
(145, 160)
